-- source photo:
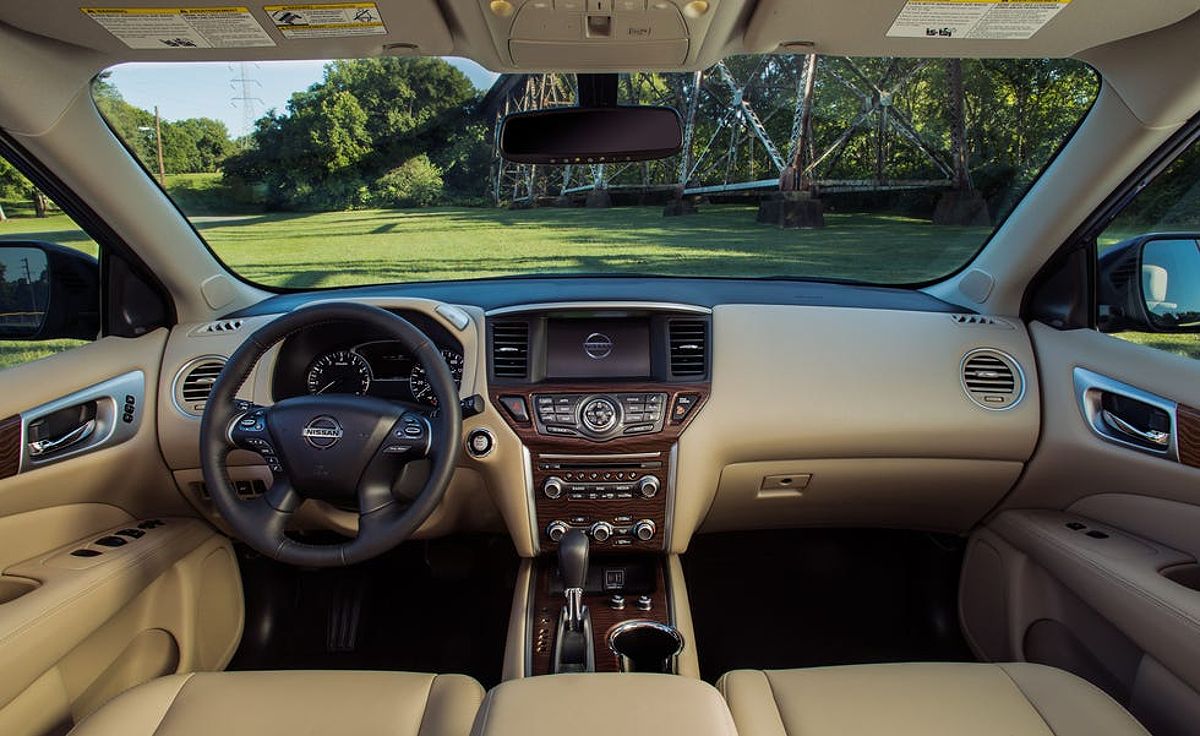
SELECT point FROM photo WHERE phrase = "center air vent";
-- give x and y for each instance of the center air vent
(992, 379)
(510, 349)
(194, 383)
(689, 347)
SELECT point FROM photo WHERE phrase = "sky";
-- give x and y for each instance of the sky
(208, 89)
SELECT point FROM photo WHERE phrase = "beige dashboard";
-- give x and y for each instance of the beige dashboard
(817, 416)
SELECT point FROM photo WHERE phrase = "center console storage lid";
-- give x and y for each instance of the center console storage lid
(590, 704)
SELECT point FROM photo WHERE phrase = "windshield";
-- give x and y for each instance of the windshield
(318, 174)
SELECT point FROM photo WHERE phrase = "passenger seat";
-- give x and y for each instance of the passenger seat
(936, 699)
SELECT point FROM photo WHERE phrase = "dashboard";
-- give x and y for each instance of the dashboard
(344, 359)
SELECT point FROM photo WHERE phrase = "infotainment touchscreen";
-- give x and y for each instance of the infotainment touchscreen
(597, 348)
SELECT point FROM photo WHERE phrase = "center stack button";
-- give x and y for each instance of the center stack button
(599, 414)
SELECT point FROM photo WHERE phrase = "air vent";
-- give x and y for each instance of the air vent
(510, 349)
(992, 379)
(689, 347)
(194, 383)
(978, 320)
(220, 326)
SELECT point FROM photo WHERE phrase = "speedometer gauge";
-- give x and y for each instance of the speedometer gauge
(343, 372)
(418, 380)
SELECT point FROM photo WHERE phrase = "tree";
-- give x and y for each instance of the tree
(363, 122)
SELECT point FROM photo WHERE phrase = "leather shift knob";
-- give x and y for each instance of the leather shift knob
(573, 558)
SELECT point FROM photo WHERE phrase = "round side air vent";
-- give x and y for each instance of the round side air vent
(194, 383)
(992, 379)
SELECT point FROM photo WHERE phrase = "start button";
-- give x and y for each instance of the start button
(480, 442)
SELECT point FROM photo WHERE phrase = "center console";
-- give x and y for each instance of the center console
(599, 396)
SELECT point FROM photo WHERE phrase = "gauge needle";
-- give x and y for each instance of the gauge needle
(327, 386)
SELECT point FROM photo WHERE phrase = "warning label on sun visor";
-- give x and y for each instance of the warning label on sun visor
(182, 28)
(980, 19)
(327, 20)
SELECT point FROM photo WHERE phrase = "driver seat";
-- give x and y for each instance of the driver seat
(292, 702)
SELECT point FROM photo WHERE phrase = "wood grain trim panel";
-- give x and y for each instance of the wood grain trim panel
(547, 606)
(10, 446)
(1187, 425)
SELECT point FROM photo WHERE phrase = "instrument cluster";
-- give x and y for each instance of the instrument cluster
(322, 360)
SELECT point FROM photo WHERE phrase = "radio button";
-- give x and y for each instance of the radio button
(639, 429)
(553, 487)
(648, 486)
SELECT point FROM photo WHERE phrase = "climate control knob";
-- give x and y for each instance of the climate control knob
(557, 530)
(648, 486)
(553, 487)
(644, 530)
(601, 531)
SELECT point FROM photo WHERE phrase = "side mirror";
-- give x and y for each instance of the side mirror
(48, 292)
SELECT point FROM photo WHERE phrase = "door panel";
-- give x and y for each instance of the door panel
(1091, 563)
(84, 617)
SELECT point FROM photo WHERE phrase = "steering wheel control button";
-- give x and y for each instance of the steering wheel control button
(515, 406)
(480, 443)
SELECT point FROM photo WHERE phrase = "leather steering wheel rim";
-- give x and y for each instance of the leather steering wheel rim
(358, 421)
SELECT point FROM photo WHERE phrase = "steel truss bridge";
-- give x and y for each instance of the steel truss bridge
(751, 130)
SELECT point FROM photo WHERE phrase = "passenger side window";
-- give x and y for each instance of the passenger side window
(1149, 263)
(28, 272)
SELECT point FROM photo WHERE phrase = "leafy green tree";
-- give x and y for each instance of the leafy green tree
(364, 119)
(415, 183)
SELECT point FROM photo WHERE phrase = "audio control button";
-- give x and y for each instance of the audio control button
(644, 530)
(553, 487)
(648, 486)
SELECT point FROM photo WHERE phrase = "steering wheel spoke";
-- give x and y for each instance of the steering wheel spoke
(282, 497)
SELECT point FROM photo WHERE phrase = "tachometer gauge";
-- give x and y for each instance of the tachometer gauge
(418, 381)
(342, 372)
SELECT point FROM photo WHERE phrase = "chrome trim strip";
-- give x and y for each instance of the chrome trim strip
(530, 506)
(669, 518)
(1088, 387)
(653, 306)
(626, 456)
(530, 613)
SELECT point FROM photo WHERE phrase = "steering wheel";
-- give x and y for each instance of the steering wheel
(344, 449)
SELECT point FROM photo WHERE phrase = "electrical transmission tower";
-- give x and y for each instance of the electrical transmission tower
(244, 97)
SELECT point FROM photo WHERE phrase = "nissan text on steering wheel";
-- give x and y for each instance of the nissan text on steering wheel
(344, 449)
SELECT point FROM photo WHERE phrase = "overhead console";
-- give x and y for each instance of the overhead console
(599, 396)
(599, 34)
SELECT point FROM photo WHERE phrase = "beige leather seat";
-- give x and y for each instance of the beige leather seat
(268, 703)
(929, 699)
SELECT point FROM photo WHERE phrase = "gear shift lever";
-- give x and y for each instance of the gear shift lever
(573, 566)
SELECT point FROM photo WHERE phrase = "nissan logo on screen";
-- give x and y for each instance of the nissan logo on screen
(598, 346)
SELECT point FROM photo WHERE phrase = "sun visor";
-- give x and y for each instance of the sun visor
(154, 30)
(954, 28)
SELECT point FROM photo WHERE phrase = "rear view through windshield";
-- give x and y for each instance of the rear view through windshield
(316, 174)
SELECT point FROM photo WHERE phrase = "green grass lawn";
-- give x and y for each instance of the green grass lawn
(300, 250)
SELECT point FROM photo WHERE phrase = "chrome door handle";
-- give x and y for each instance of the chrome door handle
(1153, 436)
(75, 436)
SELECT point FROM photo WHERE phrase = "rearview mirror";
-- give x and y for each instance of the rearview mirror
(1152, 283)
(591, 135)
(48, 292)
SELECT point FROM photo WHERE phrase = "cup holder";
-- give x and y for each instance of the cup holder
(1186, 575)
(12, 588)
(646, 646)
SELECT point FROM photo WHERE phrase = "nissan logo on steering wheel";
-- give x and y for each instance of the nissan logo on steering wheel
(322, 432)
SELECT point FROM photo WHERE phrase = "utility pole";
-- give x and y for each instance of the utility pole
(162, 171)
(29, 283)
